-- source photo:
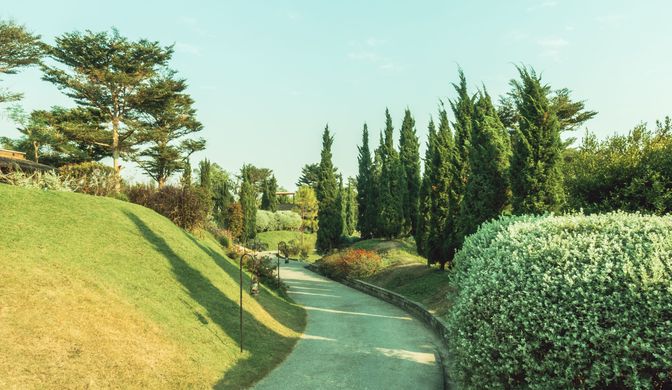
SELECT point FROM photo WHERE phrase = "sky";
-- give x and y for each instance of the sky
(268, 76)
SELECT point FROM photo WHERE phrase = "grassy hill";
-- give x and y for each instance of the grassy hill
(407, 273)
(97, 292)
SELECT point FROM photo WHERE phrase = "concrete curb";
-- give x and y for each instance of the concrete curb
(416, 309)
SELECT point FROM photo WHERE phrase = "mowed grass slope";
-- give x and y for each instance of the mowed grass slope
(96, 292)
(406, 273)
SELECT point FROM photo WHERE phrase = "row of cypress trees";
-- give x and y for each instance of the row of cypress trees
(475, 169)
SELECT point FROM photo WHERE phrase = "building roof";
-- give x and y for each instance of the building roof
(7, 163)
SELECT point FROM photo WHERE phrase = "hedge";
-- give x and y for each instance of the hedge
(564, 302)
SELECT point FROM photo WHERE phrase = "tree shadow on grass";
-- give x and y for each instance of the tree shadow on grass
(223, 312)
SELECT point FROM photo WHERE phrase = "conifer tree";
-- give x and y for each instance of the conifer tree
(351, 212)
(330, 222)
(248, 203)
(185, 180)
(374, 206)
(424, 221)
(18, 48)
(441, 242)
(366, 213)
(269, 197)
(487, 193)
(341, 199)
(409, 154)
(392, 186)
(536, 176)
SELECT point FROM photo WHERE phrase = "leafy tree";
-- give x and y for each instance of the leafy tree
(306, 205)
(536, 175)
(392, 186)
(18, 48)
(113, 78)
(440, 246)
(248, 203)
(350, 208)
(269, 197)
(409, 154)
(167, 118)
(366, 211)
(424, 222)
(487, 193)
(309, 176)
(235, 221)
(330, 222)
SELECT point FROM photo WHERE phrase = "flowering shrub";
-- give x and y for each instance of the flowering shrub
(351, 263)
(564, 302)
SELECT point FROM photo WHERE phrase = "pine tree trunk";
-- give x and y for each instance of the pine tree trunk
(36, 148)
(161, 182)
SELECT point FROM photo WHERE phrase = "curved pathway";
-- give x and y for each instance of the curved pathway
(353, 341)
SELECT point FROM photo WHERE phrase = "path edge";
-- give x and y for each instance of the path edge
(417, 310)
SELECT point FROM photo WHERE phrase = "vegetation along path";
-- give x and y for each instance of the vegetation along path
(353, 341)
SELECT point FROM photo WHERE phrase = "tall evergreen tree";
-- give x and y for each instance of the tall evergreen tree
(424, 220)
(366, 212)
(341, 199)
(330, 222)
(18, 48)
(248, 202)
(441, 241)
(309, 176)
(392, 186)
(487, 193)
(185, 180)
(222, 195)
(269, 197)
(351, 212)
(409, 154)
(374, 205)
(536, 176)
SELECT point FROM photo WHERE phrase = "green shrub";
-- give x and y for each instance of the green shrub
(188, 207)
(351, 263)
(280, 220)
(223, 236)
(91, 178)
(48, 181)
(264, 221)
(564, 302)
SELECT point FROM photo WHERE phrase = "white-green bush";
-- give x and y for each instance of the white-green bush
(564, 302)
(280, 220)
(38, 180)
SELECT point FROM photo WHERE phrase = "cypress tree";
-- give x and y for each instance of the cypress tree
(424, 221)
(374, 205)
(409, 154)
(248, 202)
(269, 197)
(330, 222)
(487, 192)
(536, 176)
(185, 180)
(366, 209)
(341, 200)
(440, 242)
(392, 186)
(351, 207)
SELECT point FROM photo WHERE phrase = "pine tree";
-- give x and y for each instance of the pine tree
(269, 197)
(18, 48)
(366, 213)
(424, 220)
(441, 241)
(330, 222)
(487, 193)
(205, 175)
(536, 176)
(392, 186)
(374, 205)
(248, 203)
(409, 154)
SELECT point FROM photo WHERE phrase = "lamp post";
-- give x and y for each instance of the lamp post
(241, 296)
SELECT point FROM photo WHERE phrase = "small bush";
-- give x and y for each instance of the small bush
(564, 302)
(48, 181)
(188, 207)
(223, 236)
(234, 220)
(351, 263)
(280, 220)
(264, 220)
(91, 178)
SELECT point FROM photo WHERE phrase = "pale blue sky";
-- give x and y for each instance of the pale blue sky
(267, 76)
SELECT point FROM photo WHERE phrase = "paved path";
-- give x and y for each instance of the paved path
(353, 341)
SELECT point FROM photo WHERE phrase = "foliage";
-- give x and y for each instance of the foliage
(536, 179)
(487, 193)
(264, 268)
(91, 178)
(351, 263)
(187, 207)
(391, 186)
(305, 204)
(630, 172)
(330, 222)
(38, 180)
(350, 208)
(409, 154)
(269, 198)
(564, 302)
(248, 203)
(366, 217)
(279, 220)
(223, 236)
(310, 174)
(18, 48)
(234, 220)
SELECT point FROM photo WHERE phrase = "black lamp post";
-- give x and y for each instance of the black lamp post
(250, 256)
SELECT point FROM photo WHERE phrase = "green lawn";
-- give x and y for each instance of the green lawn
(272, 239)
(407, 273)
(97, 292)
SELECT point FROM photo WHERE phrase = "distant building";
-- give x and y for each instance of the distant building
(11, 160)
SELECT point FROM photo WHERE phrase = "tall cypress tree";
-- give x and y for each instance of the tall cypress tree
(351, 207)
(392, 186)
(424, 220)
(536, 176)
(487, 192)
(375, 203)
(269, 197)
(248, 202)
(440, 243)
(330, 222)
(366, 212)
(409, 154)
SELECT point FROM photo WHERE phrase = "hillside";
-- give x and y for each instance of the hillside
(98, 292)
